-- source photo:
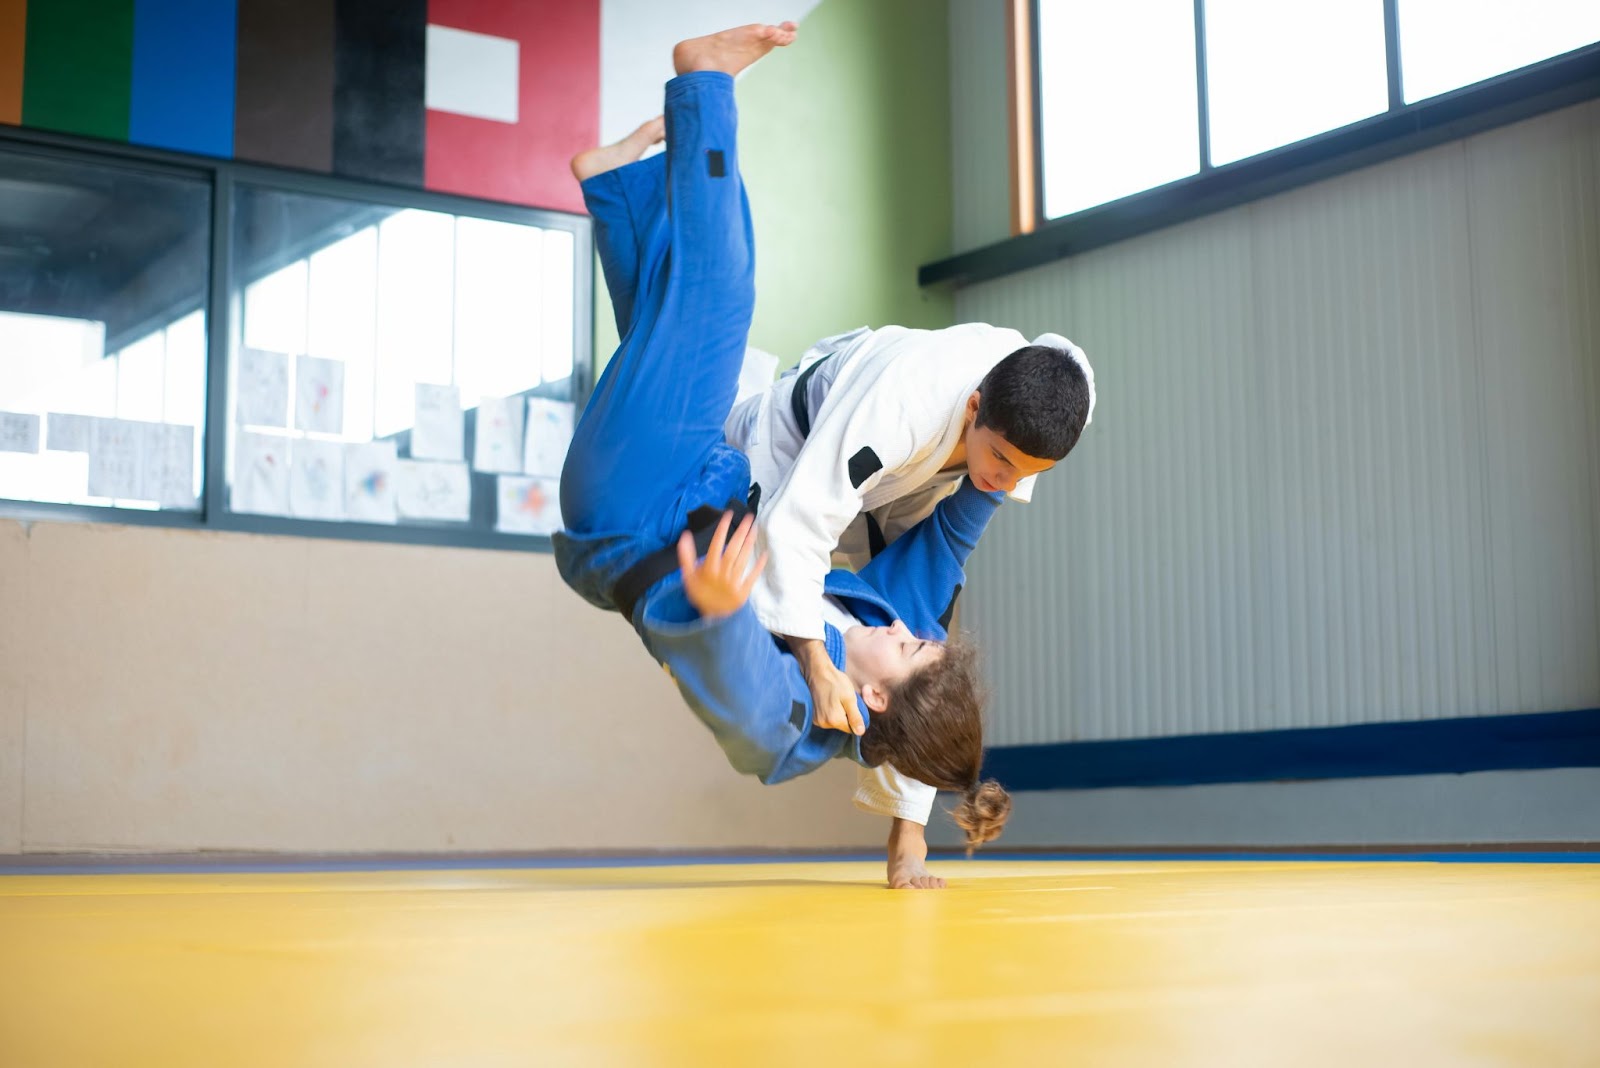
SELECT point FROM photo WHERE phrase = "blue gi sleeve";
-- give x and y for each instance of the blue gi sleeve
(746, 690)
(920, 573)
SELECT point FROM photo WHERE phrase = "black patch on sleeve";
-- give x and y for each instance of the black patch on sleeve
(863, 465)
(799, 716)
(716, 166)
(949, 612)
(753, 501)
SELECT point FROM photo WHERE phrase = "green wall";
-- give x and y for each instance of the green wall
(845, 148)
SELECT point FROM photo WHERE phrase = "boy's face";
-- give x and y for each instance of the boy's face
(993, 463)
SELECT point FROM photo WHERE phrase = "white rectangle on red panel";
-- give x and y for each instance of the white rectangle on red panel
(558, 104)
(472, 74)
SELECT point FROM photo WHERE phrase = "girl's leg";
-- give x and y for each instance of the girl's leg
(656, 415)
(628, 204)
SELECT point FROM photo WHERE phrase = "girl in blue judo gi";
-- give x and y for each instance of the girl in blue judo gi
(651, 488)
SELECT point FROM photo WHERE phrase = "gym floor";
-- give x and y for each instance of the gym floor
(1408, 961)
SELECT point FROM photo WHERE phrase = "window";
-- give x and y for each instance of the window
(399, 365)
(103, 275)
(1446, 44)
(1124, 106)
(1109, 69)
(1276, 72)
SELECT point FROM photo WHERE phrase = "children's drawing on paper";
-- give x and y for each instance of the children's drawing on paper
(261, 474)
(529, 505)
(316, 482)
(497, 444)
(434, 490)
(263, 388)
(438, 433)
(549, 433)
(319, 395)
(369, 482)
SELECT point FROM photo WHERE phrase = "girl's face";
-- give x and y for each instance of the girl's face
(878, 659)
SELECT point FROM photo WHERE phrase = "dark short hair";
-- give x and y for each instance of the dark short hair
(1037, 398)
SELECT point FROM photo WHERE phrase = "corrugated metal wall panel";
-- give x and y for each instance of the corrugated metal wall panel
(1345, 468)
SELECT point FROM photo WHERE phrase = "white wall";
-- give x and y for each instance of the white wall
(636, 39)
(170, 691)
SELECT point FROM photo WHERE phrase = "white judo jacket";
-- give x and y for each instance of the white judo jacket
(886, 408)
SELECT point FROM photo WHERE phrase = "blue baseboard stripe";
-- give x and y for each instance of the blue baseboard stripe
(1421, 747)
(293, 865)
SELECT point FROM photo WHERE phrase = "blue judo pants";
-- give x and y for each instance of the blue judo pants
(648, 448)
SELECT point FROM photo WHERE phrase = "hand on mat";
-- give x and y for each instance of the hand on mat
(720, 584)
(833, 700)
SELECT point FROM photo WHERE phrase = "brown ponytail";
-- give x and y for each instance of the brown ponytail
(982, 812)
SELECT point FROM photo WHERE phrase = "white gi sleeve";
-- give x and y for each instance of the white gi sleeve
(883, 791)
(860, 434)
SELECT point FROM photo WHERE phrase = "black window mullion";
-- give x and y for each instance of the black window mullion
(219, 324)
(1202, 93)
(1391, 51)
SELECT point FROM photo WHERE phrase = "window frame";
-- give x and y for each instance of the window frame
(221, 178)
(1561, 81)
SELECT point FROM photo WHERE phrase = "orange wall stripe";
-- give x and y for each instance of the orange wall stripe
(13, 34)
(1019, 63)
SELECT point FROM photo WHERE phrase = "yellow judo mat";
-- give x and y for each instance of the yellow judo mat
(1233, 963)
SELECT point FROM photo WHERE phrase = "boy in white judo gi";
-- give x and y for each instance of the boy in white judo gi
(857, 446)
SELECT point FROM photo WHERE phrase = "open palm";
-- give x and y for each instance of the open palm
(721, 583)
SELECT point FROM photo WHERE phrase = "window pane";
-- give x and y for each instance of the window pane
(558, 340)
(498, 301)
(1118, 110)
(1280, 72)
(1446, 44)
(416, 269)
(379, 336)
(99, 269)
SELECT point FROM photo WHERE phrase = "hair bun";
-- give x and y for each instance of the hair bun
(982, 812)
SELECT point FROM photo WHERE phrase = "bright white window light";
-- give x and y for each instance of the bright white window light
(1117, 99)
(1446, 44)
(1280, 72)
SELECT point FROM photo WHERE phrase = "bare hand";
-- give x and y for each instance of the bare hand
(720, 584)
(833, 700)
(908, 858)
(913, 878)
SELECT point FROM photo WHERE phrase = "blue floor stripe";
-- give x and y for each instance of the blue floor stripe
(200, 866)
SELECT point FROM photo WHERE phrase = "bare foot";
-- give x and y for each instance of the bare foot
(731, 51)
(595, 161)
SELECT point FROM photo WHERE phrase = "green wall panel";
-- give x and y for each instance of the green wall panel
(79, 67)
(844, 140)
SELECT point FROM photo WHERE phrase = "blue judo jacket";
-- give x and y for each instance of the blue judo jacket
(745, 685)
